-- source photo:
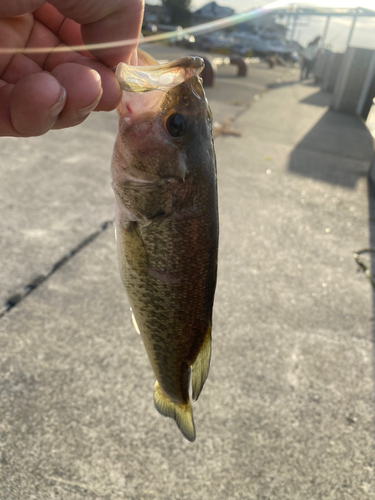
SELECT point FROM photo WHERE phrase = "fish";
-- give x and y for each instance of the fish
(165, 184)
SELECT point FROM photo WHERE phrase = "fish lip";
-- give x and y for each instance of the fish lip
(136, 78)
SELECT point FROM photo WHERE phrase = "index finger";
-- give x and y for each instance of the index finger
(18, 7)
(108, 21)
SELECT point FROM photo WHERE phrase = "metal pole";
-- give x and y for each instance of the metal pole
(352, 28)
(291, 39)
(325, 30)
(287, 28)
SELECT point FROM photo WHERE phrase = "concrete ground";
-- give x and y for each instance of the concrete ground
(288, 409)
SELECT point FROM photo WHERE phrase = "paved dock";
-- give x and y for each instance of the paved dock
(287, 412)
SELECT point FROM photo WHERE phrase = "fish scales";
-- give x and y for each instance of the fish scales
(164, 179)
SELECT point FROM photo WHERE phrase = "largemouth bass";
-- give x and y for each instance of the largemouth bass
(164, 179)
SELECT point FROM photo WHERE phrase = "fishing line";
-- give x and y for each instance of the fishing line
(202, 28)
(339, 33)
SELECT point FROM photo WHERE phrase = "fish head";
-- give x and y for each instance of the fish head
(165, 123)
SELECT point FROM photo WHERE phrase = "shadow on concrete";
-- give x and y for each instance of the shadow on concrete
(278, 85)
(306, 83)
(320, 98)
(311, 82)
(224, 76)
(371, 255)
(337, 150)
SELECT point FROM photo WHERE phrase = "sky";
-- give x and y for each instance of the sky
(240, 5)
(309, 27)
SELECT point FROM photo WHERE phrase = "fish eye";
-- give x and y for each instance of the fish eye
(176, 125)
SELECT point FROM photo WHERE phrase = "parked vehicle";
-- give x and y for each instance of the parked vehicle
(217, 42)
(261, 47)
(186, 41)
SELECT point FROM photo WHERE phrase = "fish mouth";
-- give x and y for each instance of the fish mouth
(163, 77)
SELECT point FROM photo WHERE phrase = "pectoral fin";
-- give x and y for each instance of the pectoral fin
(131, 247)
(201, 366)
(182, 414)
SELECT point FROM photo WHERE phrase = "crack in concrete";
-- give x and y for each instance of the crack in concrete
(16, 298)
(362, 266)
(219, 128)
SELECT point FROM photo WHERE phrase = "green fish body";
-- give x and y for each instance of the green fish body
(164, 179)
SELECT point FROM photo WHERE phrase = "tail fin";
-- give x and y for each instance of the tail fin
(182, 414)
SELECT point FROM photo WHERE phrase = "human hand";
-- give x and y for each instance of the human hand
(40, 91)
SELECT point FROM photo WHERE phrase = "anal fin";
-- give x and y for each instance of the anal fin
(201, 366)
(135, 324)
(182, 414)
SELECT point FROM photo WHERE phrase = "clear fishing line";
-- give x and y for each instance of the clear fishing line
(201, 28)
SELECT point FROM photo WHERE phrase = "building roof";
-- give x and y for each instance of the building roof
(212, 9)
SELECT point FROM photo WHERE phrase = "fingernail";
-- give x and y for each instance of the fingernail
(57, 108)
(85, 111)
